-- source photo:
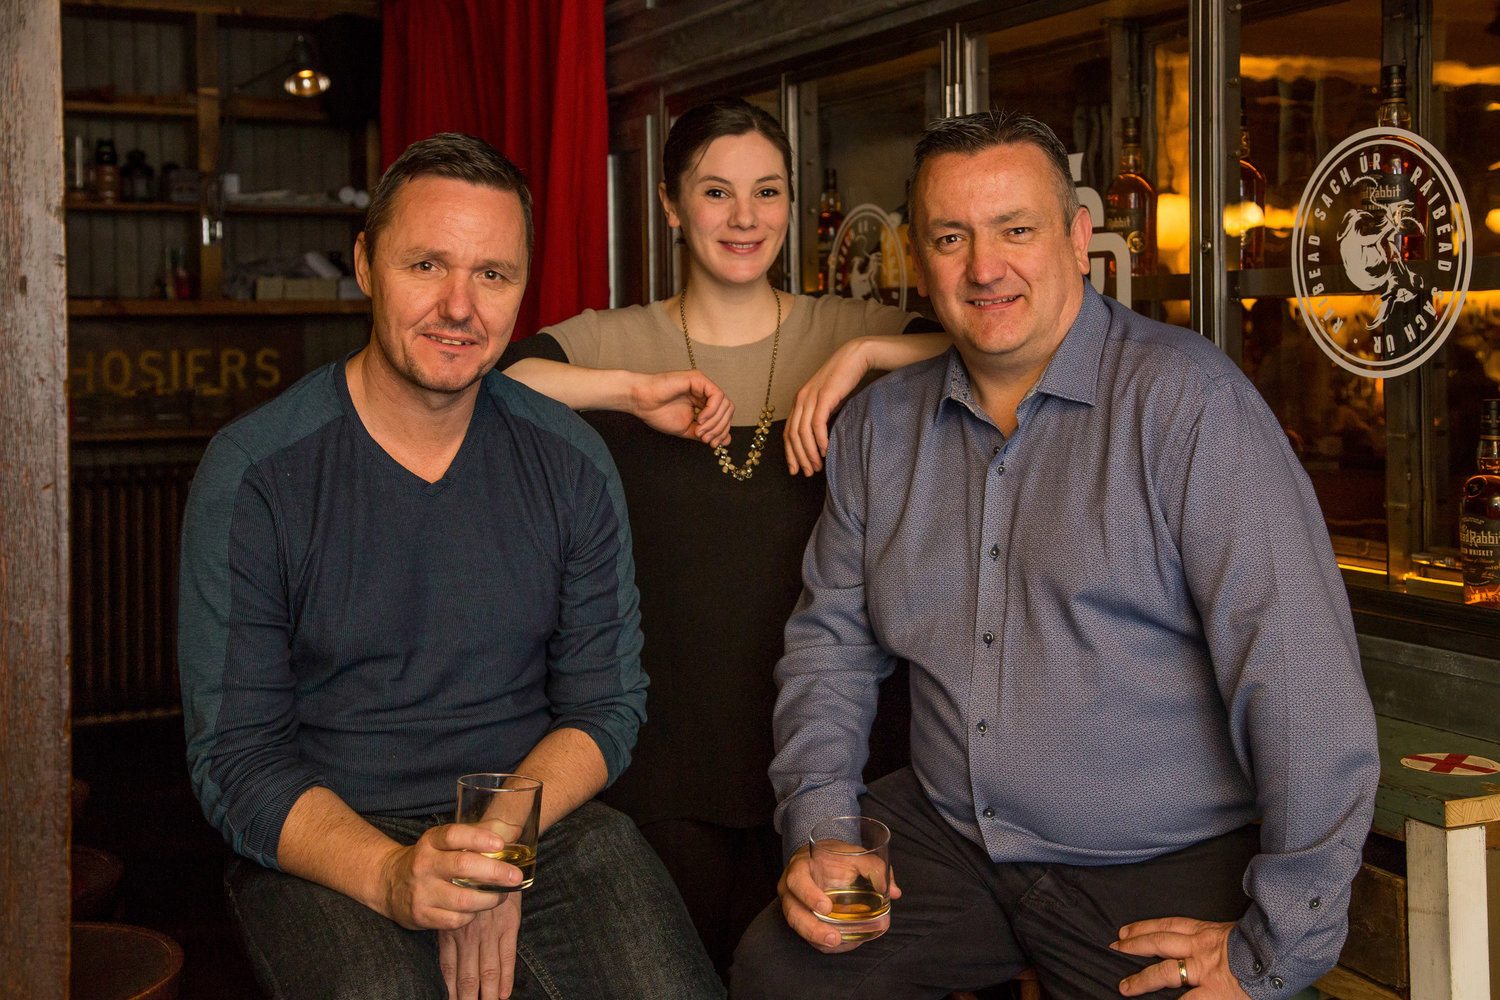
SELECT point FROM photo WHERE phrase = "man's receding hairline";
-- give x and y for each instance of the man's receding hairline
(1064, 205)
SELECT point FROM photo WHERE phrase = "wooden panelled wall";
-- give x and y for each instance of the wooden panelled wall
(34, 763)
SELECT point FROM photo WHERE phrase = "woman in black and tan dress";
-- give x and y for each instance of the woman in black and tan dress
(718, 536)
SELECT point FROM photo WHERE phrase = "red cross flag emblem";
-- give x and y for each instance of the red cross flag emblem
(1451, 763)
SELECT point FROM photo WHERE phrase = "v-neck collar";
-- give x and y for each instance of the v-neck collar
(461, 459)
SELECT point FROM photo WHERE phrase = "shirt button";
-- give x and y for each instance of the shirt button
(1315, 903)
(1000, 470)
(1257, 968)
(994, 552)
(1276, 982)
(989, 813)
(996, 451)
(982, 727)
(989, 637)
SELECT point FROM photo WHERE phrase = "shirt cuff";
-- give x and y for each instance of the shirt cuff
(1263, 974)
(798, 815)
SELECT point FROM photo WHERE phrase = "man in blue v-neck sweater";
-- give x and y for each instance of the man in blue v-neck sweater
(404, 569)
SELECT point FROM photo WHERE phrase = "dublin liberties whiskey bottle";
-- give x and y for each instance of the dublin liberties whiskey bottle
(1130, 203)
(1251, 206)
(830, 217)
(1479, 517)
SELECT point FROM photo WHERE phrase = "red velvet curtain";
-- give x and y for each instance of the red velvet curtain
(528, 77)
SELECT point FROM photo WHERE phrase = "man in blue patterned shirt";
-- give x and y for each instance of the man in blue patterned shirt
(1143, 756)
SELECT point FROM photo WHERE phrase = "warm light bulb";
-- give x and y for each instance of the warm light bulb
(1242, 216)
(306, 83)
(1171, 221)
(1492, 220)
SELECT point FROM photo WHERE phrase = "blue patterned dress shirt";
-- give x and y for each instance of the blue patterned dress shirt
(1126, 629)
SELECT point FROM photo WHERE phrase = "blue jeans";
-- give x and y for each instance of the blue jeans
(602, 920)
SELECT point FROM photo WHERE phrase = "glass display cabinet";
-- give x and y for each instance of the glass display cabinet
(1229, 109)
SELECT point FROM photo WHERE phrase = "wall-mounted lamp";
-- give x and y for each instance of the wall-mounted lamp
(303, 77)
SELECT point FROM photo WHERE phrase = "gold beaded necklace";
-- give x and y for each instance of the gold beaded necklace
(767, 411)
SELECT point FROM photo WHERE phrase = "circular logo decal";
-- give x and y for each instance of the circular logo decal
(1381, 252)
(867, 260)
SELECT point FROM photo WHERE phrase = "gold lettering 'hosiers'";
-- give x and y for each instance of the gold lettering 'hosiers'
(1381, 259)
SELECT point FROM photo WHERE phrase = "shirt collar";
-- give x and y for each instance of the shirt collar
(1073, 372)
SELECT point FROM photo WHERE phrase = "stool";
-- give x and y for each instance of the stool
(95, 875)
(1027, 988)
(119, 962)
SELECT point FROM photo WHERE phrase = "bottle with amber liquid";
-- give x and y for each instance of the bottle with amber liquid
(1396, 185)
(830, 217)
(1479, 516)
(1249, 210)
(106, 171)
(1130, 203)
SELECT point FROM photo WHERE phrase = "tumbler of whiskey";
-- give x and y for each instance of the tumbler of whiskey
(509, 806)
(851, 863)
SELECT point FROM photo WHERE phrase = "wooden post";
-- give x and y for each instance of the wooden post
(206, 77)
(34, 676)
(1447, 923)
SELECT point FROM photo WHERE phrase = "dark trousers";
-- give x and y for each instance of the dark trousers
(964, 922)
(602, 920)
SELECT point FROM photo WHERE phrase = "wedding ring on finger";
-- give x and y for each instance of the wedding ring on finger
(1182, 972)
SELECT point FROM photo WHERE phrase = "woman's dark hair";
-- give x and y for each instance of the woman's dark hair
(453, 155)
(703, 124)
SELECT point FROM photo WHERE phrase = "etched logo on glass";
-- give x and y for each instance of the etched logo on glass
(1381, 252)
(868, 257)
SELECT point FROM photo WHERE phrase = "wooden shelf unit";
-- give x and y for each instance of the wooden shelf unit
(216, 307)
(208, 109)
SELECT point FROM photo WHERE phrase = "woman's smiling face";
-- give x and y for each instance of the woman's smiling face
(733, 208)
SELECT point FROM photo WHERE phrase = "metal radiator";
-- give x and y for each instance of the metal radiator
(127, 522)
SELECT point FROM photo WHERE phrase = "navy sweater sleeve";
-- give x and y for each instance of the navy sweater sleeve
(246, 775)
(595, 681)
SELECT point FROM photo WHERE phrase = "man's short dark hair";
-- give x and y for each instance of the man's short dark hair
(447, 154)
(975, 133)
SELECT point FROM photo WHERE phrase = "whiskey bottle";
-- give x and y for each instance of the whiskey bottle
(1393, 112)
(1130, 203)
(1250, 209)
(830, 217)
(1394, 194)
(1479, 516)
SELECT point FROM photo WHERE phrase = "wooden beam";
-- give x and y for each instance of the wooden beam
(206, 82)
(1346, 985)
(1447, 923)
(34, 677)
(300, 10)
